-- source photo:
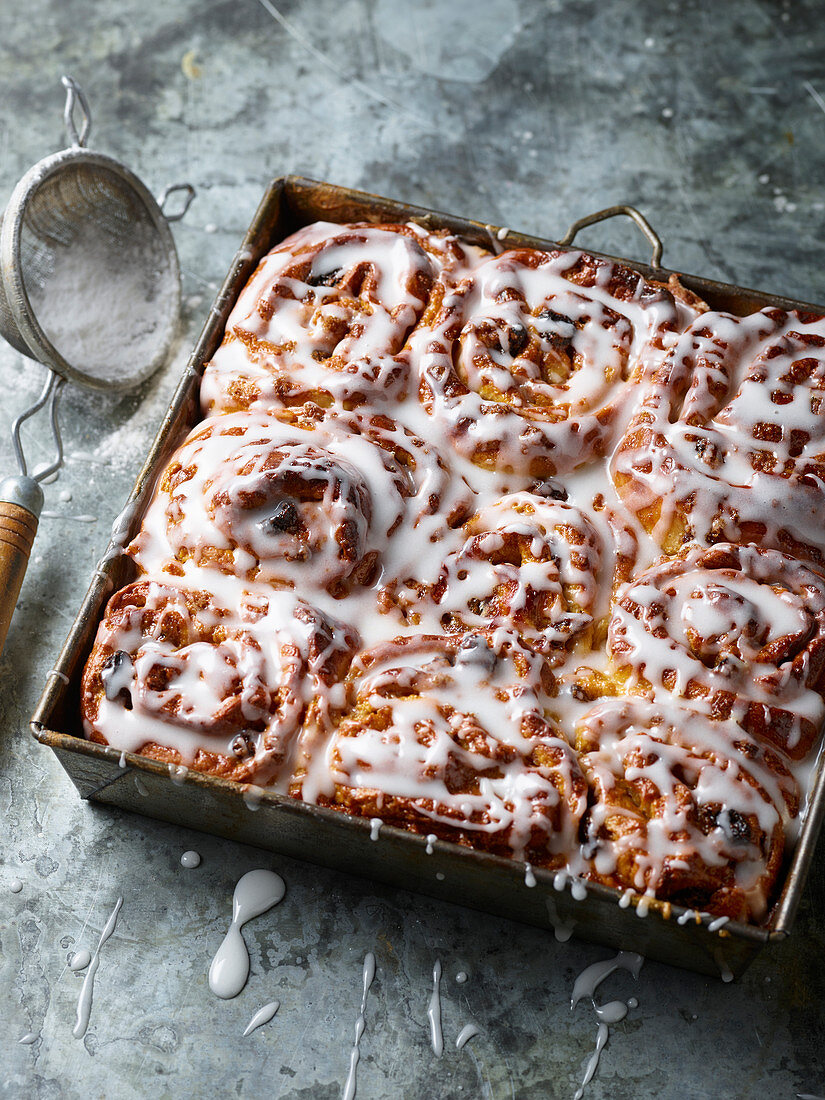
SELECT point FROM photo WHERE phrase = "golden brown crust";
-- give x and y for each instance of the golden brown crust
(412, 440)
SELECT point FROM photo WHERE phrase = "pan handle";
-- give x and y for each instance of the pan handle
(613, 212)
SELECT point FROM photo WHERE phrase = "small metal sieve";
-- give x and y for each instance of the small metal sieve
(90, 287)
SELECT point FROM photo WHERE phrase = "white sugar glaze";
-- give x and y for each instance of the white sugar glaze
(80, 959)
(84, 1001)
(255, 893)
(612, 1012)
(368, 976)
(434, 1012)
(408, 438)
(468, 1032)
(261, 1017)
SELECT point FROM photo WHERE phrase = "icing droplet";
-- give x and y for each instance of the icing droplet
(190, 860)
(465, 1035)
(84, 1001)
(529, 877)
(434, 1012)
(461, 977)
(375, 827)
(80, 959)
(360, 1026)
(15, 886)
(29, 1038)
(256, 892)
(431, 839)
(261, 1017)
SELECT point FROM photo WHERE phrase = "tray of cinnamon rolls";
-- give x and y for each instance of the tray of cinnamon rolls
(487, 567)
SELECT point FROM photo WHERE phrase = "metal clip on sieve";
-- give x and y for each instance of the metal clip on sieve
(90, 288)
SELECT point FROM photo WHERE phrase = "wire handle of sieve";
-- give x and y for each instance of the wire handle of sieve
(74, 98)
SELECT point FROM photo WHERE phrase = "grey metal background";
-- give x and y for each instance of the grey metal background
(710, 118)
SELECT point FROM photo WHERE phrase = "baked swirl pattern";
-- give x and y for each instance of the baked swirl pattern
(325, 316)
(738, 631)
(522, 552)
(446, 735)
(527, 362)
(684, 807)
(729, 444)
(182, 679)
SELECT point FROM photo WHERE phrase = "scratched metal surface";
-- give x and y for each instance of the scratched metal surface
(710, 118)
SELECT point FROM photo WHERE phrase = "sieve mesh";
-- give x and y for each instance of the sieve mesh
(97, 274)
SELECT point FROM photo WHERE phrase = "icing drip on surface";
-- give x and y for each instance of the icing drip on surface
(434, 1012)
(80, 959)
(190, 860)
(351, 1083)
(612, 1012)
(84, 1001)
(261, 1017)
(465, 1035)
(255, 893)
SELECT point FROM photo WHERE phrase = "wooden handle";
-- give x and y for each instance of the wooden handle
(17, 530)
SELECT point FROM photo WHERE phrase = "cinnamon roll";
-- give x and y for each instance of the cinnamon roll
(325, 316)
(292, 501)
(682, 806)
(729, 441)
(529, 564)
(527, 362)
(738, 630)
(446, 736)
(179, 678)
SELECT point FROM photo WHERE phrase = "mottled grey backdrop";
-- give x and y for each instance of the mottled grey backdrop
(710, 118)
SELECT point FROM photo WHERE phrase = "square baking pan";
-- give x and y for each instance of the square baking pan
(442, 870)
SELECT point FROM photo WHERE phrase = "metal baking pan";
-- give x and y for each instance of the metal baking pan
(451, 872)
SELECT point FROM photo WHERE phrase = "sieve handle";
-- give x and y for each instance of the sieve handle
(76, 98)
(21, 499)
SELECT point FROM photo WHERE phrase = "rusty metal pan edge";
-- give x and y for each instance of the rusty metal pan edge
(295, 192)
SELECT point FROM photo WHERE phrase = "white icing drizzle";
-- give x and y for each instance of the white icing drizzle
(562, 929)
(434, 1012)
(80, 959)
(84, 1001)
(351, 1083)
(255, 893)
(586, 985)
(261, 1017)
(380, 575)
(29, 1038)
(729, 440)
(465, 1035)
(718, 923)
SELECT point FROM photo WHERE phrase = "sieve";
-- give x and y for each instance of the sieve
(90, 288)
